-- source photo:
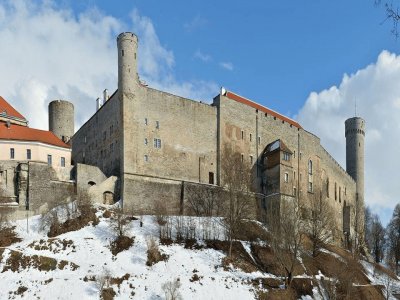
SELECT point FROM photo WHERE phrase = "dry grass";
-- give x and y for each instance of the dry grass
(8, 237)
(120, 244)
(153, 252)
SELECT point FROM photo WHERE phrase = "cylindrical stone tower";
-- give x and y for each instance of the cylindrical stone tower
(127, 63)
(355, 134)
(61, 119)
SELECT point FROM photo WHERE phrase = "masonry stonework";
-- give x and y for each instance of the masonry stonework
(161, 143)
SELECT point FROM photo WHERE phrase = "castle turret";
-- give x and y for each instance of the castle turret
(61, 119)
(355, 134)
(127, 63)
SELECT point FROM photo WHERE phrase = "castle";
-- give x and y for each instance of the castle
(143, 145)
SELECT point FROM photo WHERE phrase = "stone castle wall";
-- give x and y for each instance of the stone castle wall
(98, 141)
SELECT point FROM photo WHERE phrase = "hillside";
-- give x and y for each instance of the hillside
(78, 264)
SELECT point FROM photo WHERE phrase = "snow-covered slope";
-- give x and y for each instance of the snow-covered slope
(76, 261)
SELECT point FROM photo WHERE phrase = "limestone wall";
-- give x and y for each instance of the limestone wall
(98, 142)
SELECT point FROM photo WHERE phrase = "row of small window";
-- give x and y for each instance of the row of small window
(251, 137)
(29, 157)
(336, 191)
(156, 142)
(251, 158)
(146, 122)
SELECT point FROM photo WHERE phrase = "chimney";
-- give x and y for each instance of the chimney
(98, 104)
(105, 95)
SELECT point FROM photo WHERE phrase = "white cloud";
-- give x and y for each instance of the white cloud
(50, 53)
(226, 65)
(376, 90)
(196, 23)
(202, 56)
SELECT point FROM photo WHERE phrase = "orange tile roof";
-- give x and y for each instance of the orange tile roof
(255, 105)
(11, 111)
(24, 133)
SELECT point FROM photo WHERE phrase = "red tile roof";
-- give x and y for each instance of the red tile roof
(11, 111)
(248, 102)
(24, 133)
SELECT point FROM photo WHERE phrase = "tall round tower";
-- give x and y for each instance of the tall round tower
(127, 64)
(355, 134)
(61, 119)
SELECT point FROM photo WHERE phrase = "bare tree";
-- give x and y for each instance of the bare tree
(377, 238)
(392, 14)
(204, 201)
(319, 223)
(287, 227)
(119, 222)
(237, 195)
(393, 239)
(171, 289)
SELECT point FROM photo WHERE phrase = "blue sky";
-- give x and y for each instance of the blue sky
(310, 60)
(280, 50)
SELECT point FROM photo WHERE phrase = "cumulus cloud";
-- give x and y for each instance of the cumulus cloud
(226, 65)
(376, 90)
(49, 52)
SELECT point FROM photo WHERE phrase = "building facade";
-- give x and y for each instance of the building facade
(158, 144)
(35, 165)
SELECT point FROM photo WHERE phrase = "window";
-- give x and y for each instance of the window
(250, 137)
(12, 153)
(310, 187)
(28, 154)
(146, 141)
(211, 178)
(286, 156)
(335, 191)
(62, 161)
(286, 177)
(294, 191)
(300, 156)
(146, 158)
(294, 174)
(85, 139)
(340, 194)
(259, 140)
(345, 190)
(327, 187)
(157, 143)
(251, 159)
(145, 121)
(122, 53)
(242, 135)
(310, 167)
(49, 160)
(157, 124)
(294, 154)
(242, 157)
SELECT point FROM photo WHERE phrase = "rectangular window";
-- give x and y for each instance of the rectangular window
(211, 178)
(28, 154)
(251, 159)
(62, 161)
(259, 140)
(340, 194)
(146, 141)
(85, 139)
(157, 124)
(49, 160)
(242, 157)
(310, 187)
(146, 158)
(294, 191)
(145, 121)
(286, 156)
(157, 143)
(286, 177)
(12, 153)
(294, 154)
(242, 135)
(250, 137)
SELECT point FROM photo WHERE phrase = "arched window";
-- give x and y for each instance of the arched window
(310, 167)
(91, 183)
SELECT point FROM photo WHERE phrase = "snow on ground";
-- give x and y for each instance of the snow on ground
(93, 257)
